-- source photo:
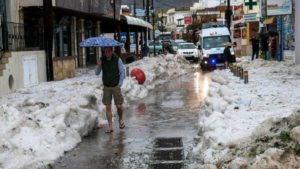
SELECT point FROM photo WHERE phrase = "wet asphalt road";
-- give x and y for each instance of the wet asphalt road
(170, 110)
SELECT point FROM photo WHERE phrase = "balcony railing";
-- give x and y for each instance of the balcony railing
(20, 37)
(15, 36)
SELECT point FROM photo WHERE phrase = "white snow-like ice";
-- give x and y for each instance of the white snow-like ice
(40, 123)
(233, 109)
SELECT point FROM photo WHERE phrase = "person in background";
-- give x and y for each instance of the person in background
(145, 50)
(229, 58)
(263, 38)
(255, 47)
(273, 47)
(113, 75)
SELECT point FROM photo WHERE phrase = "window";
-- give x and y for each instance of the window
(215, 41)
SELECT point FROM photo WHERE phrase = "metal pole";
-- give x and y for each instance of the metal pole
(114, 6)
(280, 38)
(228, 15)
(147, 11)
(4, 27)
(144, 14)
(153, 32)
(134, 8)
(246, 77)
(162, 29)
(153, 14)
(48, 37)
(297, 31)
(147, 15)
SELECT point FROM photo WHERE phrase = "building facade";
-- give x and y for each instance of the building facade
(42, 37)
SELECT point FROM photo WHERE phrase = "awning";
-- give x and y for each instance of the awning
(269, 20)
(137, 22)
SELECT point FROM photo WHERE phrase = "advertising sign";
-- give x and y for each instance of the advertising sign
(279, 7)
(188, 20)
(140, 12)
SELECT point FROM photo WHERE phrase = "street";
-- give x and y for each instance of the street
(170, 110)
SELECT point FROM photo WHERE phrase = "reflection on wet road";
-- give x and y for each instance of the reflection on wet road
(171, 110)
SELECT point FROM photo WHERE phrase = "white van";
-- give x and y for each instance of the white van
(211, 42)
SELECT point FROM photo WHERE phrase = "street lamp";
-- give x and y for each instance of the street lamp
(113, 3)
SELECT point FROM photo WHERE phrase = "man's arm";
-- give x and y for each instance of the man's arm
(122, 72)
(99, 67)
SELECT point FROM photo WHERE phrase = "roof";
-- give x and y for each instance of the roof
(137, 22)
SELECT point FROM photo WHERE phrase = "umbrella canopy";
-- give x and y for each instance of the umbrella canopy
(100, 41)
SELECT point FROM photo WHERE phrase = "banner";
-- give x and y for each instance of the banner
(279, 7)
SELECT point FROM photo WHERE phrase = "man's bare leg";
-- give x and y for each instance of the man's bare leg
(120, 113)
(109, 118)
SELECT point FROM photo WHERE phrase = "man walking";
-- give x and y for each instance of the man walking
(112, 77)
(255, 47)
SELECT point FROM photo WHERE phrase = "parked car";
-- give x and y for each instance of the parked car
(180, 41)
(189, 51)
(158, 47)
(170, 45)
(173, 47)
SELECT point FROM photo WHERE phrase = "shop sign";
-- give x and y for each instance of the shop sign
(188, 20)
(279, 7)
(250, 17)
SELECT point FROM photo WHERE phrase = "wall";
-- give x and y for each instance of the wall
(13, 7)
(15, 68)
(63, 67)
(31, 3)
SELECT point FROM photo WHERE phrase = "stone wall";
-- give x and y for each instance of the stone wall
(63, 68)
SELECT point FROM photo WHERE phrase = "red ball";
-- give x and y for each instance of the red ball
(139, 75)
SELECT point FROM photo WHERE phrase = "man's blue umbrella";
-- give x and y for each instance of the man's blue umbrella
(100, 41)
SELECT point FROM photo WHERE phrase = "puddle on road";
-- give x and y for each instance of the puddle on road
(173, 104)
(170, 111)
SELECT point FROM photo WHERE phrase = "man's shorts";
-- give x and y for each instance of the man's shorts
(112, 92)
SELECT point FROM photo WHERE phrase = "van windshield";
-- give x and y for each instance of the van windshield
(215, 41)
(186, 46)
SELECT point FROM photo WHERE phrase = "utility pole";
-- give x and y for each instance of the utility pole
(297, 31)
(144, 15)
(147, 15)
(48, 37)
(134, 8)
(228, 14)
(114, 5)
(147, 10)
(4, 26)
(162, 27)
(143, 4)
(153, 33)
